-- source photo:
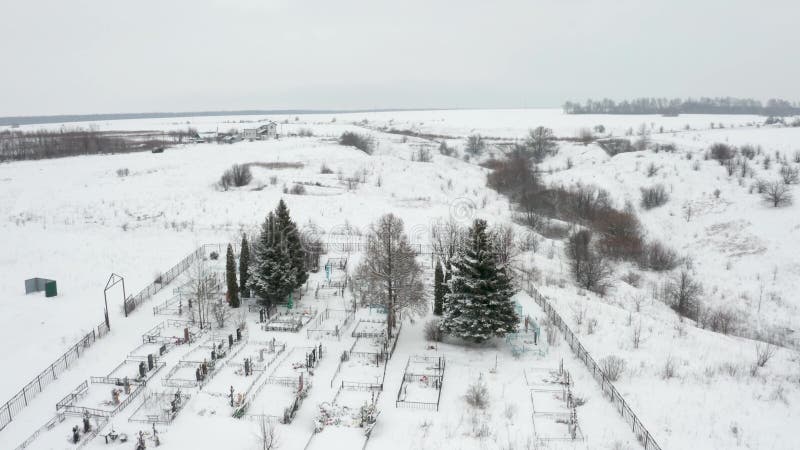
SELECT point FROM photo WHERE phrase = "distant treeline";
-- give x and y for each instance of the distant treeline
(704, 105)
(16, 145)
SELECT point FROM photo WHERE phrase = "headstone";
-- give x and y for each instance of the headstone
(150, 362)
(142, 369)
(238, 334)
(162, 350)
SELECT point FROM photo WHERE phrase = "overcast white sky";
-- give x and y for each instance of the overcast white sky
(103, 56)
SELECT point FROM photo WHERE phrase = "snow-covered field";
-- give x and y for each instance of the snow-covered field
(76, 221)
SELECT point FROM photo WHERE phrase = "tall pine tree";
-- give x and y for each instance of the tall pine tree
(244, 264)
(272, 276)
(230, 275)
(438, 289)
(290, 239)
(479, 304)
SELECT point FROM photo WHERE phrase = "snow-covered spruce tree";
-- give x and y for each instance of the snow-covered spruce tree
(290, 239)
(244, 264)
(479, 304)
(389, 274)
(230, 276)
(438, 289)
(271, 275)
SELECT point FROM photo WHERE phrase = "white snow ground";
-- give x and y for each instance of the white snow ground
(76, 221)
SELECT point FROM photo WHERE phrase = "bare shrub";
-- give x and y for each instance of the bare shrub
(585, 135)
(654, 196)
(621, 234)
(123, 172)
(432, 331)
(748, 151)
(612, 366)
(659, 257)
(446, 150)
(764, 352)
(777, 193)
(683, 294)
(590, 269)
(721, 320)
(475, 145)
(477, 394)
(305, 132)
(297, 189)
(637, 335)
(359, 141)
(669, 369)
(541, 142)
(632, 278)
(789, 174)
(238, 175)
(721, 152)
(652, 170)
(325, 169)
(267, 434)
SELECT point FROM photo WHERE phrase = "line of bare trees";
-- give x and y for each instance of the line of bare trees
(18, 145)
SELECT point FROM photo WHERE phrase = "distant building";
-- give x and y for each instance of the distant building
(267, 131)
(250, 134)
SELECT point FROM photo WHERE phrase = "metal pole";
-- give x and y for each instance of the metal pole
(105, 298)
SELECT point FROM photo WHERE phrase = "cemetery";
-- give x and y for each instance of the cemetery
(422, 382)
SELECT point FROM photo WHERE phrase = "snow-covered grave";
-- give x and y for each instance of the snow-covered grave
(297, 362)
(100, 396)
(330, 323)
(174, 332)
(290, 319)
(156, 349)
(137, 370)
(62, 430)
(374, 328)
(422, 382)
(160, 407)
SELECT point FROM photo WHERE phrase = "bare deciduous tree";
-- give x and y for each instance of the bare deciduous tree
(446, 239)
(778, 193)
(267, 435)
(504, 241)
(590, 269)
(202, 288)
(684, 294)
(389, 274)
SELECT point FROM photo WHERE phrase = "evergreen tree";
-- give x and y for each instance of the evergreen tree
(230, 275)
(244, 264)
(438, 289)
(290, 239)
(479, 304)
(271, 276)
